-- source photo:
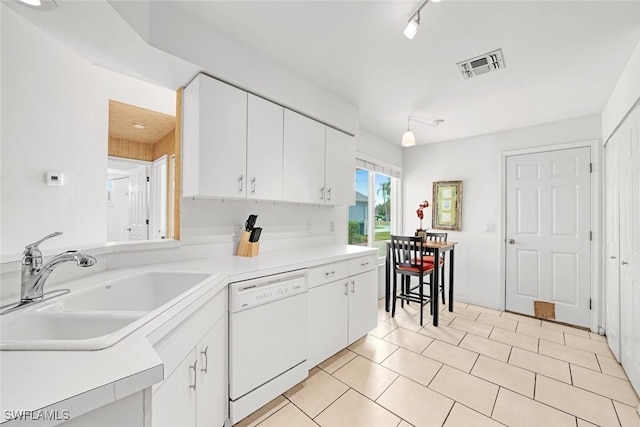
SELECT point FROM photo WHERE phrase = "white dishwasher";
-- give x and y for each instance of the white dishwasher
(267, 339)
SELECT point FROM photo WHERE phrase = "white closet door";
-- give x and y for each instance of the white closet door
(630, 247)
(612, 256)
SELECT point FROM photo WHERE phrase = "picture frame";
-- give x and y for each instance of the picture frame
(446, 211)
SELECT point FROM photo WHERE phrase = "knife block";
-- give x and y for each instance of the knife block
(247, 248)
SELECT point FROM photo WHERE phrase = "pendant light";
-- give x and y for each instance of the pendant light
(408, 138)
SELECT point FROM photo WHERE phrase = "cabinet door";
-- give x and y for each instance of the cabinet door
(214, 139)
(211, 403)
(340, 164)
(363, 304)
(264, 149)
(303, 168)
(327, 320)
(174, 403)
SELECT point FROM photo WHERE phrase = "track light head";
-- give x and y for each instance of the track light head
(412, 27)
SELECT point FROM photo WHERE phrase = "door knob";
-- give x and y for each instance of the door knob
(511, 241)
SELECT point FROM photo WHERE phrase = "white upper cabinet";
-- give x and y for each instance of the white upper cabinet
(303, 171)
(340, 165)
(264, 149)
(214, 139)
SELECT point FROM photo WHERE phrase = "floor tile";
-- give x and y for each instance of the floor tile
(597, 337)
(566, 329)
(486, 346)
(404, 424)
(587, 344)
(581, 403)
(515, 339)
(382, 329)
(316, 393)
(451, 355)
(513, 409)
(627, 415)
(414, 366)
(337, 361)
(471, 327)
(583, 423)
(263, 413)
(458, 305)
(366, 377)
(355, 410)
(410, 340)
(461, 416)
(416, 403)
(288, 416)
(542, 333)
(611, 367)
(464, 313)
(545, 365)
(408, 321)
(482, 309)
(443, 333)
(521, 319)
(604, 385)
(446, 317)
(373, 348)
(505, 375)
(471, 391)
(569, 354)
(498, 322)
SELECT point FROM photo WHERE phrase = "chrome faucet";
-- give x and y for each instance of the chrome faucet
(35, 274)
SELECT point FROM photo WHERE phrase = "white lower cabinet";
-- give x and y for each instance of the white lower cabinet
(194, 392)
(341, 311)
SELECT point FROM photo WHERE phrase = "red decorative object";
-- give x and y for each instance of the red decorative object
(420, 212)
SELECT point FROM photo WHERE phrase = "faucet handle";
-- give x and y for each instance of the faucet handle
(33, 247)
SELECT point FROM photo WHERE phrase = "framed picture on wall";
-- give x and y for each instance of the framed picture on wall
(447, 205)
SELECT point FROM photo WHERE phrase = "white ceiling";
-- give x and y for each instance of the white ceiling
(562, 58)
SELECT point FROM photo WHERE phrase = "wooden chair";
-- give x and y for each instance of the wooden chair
(441, 238)
(408, 261)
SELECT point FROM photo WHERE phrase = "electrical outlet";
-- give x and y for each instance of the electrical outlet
(309, 226)
(332, 226)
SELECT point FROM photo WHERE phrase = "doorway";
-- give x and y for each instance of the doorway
(548, 234)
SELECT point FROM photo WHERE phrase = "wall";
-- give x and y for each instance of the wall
(625, 94)
(476, 161)
(373, 148)
(119, 147)
(55, 118)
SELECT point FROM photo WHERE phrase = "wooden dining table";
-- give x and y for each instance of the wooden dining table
(437, 248)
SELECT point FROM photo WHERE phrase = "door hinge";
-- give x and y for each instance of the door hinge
(590, 167)
(147, 221)
(591, 236)
(590, 303)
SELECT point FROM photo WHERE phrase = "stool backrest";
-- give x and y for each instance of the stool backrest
(437, 237)
(407, 251)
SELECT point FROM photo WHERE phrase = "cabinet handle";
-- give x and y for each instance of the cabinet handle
(240, 183)
(195, 375)
(253, 185)
(330, 274)
(329, 194)
(206, 360)
(624, 263)
(612, 257)
(364, 264)
(322, 193)
(346, 288)
(353, 286)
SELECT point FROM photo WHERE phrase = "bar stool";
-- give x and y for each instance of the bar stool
(440, 238)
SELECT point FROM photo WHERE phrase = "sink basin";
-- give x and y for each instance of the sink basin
(138, 292)
(98, 316)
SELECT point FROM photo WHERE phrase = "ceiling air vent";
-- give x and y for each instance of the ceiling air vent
(482, 64)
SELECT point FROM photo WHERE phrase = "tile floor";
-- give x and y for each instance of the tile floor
(480, 367)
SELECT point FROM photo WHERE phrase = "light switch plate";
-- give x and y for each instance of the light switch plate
(489, 228)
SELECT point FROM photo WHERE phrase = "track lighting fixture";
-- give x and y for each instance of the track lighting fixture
(411, 29)
(408, 138)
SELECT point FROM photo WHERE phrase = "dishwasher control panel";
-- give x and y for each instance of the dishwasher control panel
(256, 292)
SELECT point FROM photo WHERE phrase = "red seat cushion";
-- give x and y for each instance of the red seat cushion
(429, 258)
(426, 267)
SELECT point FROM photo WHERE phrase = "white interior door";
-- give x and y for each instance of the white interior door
(612, 256)
(630, 247)
(548, 250)
(158, 199)
(138, 215)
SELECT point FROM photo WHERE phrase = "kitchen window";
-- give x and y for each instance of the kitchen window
(375, 214)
